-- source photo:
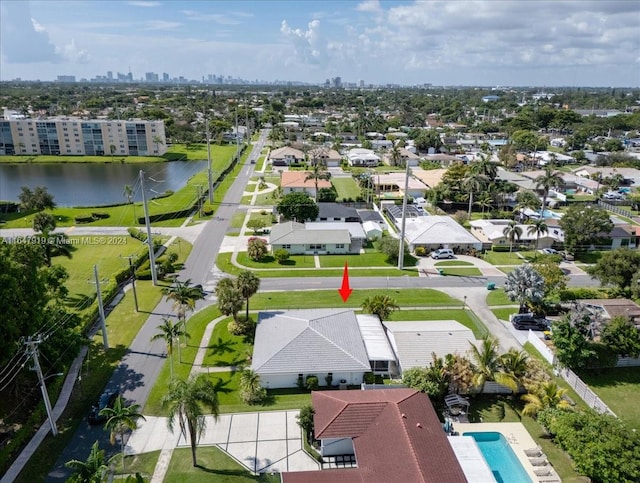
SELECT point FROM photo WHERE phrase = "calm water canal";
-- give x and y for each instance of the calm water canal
(95, 184)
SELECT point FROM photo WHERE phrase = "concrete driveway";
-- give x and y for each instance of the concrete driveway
(263, 442)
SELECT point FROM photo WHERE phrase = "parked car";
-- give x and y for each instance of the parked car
(550, 251)
(442, 253)
(529, 321)
(106, 400)
(568, 257)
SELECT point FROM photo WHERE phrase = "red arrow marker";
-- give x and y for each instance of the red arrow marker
(345, 290)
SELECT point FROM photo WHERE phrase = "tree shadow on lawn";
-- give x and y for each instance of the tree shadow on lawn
(222, 346)
(220, 385)
(79, 301)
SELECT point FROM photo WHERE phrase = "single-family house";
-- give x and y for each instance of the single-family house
(375, 216)
(492, 231)
(610, 308)
(297, 239)
(430, 177)
(300, 182)
(405, 156)
(356, 232)
(392, 435)
(362, 158)
(337, 212)
(292, 345)
(433, 232)
(329, 158)
(415, 342)
(393, 183)
(286, 156)
(630, 176)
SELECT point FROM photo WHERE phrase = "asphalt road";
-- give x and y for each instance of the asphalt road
(139, 369)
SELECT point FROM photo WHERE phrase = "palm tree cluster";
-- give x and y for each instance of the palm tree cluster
(381, 305)
(232, 293)
(170, 332)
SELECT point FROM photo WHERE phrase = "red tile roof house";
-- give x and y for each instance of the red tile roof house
(394, 433)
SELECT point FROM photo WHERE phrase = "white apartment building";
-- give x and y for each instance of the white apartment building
(78, 137)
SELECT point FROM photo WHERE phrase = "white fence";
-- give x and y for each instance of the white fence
(541, 347)
(628, 362)
(590, 397)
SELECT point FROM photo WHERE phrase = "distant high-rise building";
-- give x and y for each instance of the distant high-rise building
(337, 82)
(151, 77)
(165, 77)
(66, 78)
(109, 75)
(361, 83)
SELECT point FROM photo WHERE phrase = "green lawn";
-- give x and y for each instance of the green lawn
(504, 313)
(238, 219)
(331, 298)
(453, 263)
(49, 159)
(263, 215)
(462, 272)
(294, 261)
(588, 257)
(225, 349)
(498, 297)
(144, 463)
(508, 409)
(375, 259)
(346, 188)
(213, 466)
(266, 199)
(619, 388)
(507, 258)
(465, 317)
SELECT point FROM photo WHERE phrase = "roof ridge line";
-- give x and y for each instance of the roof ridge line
(351, 356)
(406, 433)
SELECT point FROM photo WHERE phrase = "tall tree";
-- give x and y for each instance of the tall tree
(170, 333)
(120, 419)
(185, 401)
(92, 470)
(52, 244)
(487, 364)
(184, 296)
(318, 171)
(129, 193)
(512, 232)
(230, 299)
(298, 206)
(548, 180)
(380, 305)
(539, 227)
(617, 267)
(524, 285)
(247, 284)
(584, 226)
(473, 183)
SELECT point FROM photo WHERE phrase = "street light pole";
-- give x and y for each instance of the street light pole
(152, 257)
(210, 171)
(404, 218)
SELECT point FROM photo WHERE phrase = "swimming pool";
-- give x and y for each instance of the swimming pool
(500, 457)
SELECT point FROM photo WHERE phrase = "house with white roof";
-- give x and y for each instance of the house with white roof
(415, 342)
(320, 342)
(325, 238)
(362, 157)
(433, 232)
(492, 231)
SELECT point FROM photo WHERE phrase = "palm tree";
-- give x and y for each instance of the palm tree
(92, 470)
(247, 284)
(129, 194)
(184, 297)
(380, 305)
(514, 366)
(524, 284)
(485, 167)
(512, 232)
(20, 146)
(395, 156)
(548, 395)
(157, 140)
(486, 361)
(230, 299)
(170, 332)
(185, 400)
(550, 179)
(485, 201)
(112, 150)
(317, 173)
(539, 227)
(120, 419)
(473, 182)
(58, 243)
(251, 390)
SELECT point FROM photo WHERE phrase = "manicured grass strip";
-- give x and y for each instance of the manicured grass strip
(462, 272)
(225, 349)
(42, 158)
(262, 215)
(224, 263)
(419, 297)
(294, 261)
(374, 259)
(143, 463)
(507, 258)
(619, 388)
(498, 297)
(227, 384)
(504, 313)
(346, 187)
(453, 263)
(465, 317)
(213, 466)
(238, 219)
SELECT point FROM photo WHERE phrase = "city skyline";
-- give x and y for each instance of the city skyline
(560, 43)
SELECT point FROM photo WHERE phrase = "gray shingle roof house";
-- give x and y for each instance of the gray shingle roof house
(296, 238)
(337, 212)
(309, 342)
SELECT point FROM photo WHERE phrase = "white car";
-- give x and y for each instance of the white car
(442, 253)
(550, 251)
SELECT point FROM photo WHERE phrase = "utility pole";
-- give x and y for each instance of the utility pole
(237, 139)
(210, 172)
(152, 257)
(404, 217)
(33, 349)
(133, 280)
(103, 322)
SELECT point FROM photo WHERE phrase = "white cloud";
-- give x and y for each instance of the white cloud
(211, 17)
(72, 53)
(144, 4)
(308, 45)
(161, 25)
(369, 6)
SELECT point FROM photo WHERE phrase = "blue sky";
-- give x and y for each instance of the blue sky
(491, 43)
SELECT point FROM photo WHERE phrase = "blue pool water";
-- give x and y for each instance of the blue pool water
(500, 457)
(551, 214)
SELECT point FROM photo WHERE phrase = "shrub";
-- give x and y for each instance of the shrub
(312, 383)
(208, 211)
(580, 293)
(420, 251)
(256, 248)
(242, 326)
(329, 380)
(300, 382)
(100, 215)
(369, 378)
(83, 219)
(281, 255)
(253, 397)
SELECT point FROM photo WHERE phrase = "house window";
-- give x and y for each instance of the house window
(287, 246)
(316, 246)
(339, 245)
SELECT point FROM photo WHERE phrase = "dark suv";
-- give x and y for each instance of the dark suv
(106, 400)
(529, 321)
